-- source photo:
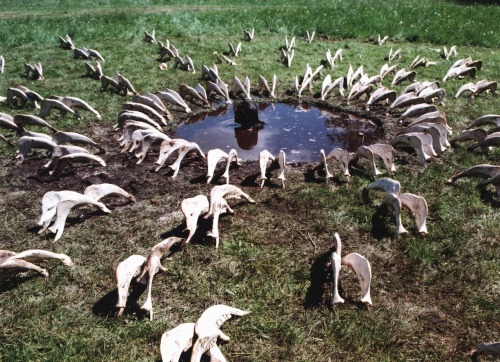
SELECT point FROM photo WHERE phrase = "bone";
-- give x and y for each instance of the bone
(213, 318)
(192, 208)
(75, 157)
(341, 156)
(152, 265)
(335, 260)
(418, 207)
(360, 265)
(125, 272)
(264, 158)
(97, 192)
(176, 341)
(26, 144)
(386, 185)
(59, 204)
(420, 142)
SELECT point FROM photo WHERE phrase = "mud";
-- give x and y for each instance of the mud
(142, 181)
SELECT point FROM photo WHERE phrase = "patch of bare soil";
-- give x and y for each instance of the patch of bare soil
(142, 181)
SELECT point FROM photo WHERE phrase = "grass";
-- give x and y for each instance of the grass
(435, 296)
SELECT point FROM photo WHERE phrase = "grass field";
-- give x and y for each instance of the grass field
(434, 296)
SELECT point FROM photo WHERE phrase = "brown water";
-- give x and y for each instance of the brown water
(301, 131)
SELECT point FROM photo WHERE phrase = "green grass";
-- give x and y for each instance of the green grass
(435, 296)
(440, 22)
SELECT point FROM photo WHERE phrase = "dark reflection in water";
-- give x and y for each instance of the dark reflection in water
(301, 131)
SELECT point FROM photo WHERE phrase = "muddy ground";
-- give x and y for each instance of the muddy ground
(122, 170)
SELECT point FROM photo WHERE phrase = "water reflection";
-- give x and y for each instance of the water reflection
(301, 131)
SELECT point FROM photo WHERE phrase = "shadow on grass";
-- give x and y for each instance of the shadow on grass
(270, 182)
(106, 306)
(379, 227)
(310, 176)
(186, 356)
(202, 179)
(251, 181)
(489, 197)
(320, 291)
(320, 275)
(199, 237)
(12, 282)
(379, 219)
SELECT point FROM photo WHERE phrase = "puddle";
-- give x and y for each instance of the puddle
(301, 131)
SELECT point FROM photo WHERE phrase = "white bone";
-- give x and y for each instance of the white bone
(335, 261)
(482, 170)
(125, 271)
(420, 142)
(309, 37)
(94, 53)
(173, 97)
(168, 147)
(152, 265)
(432, 129)
(137, 116)
(47, 105)
(418, 207)
(223, 59)
(467, 87)
(73, 102)
(386, 185)
(75, 157)
(183, 151)
(147, 110)
(60, 204)
(382, 41)
(229, 191)
(282, 163)
(219, 206)
(35, 255)
(11, 262)
(192, 94)
(148, 140)
(486, 86)
(212, 319)
(192, 208)
(341, 156)
(26, 144)
(476, 134)
(264, 157)
(493, 119)
(393, 201)
(402, 75)
(364, 151)
(136, 139)
(213, 157)
(325, 164)
(460, 71)
(432, 117)
(417, 110)
(97, 192)
(238, 87)
(492, 140)
(264, 86)
(176, 341)
(361, 266)
(249, 34)
(152, 101)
